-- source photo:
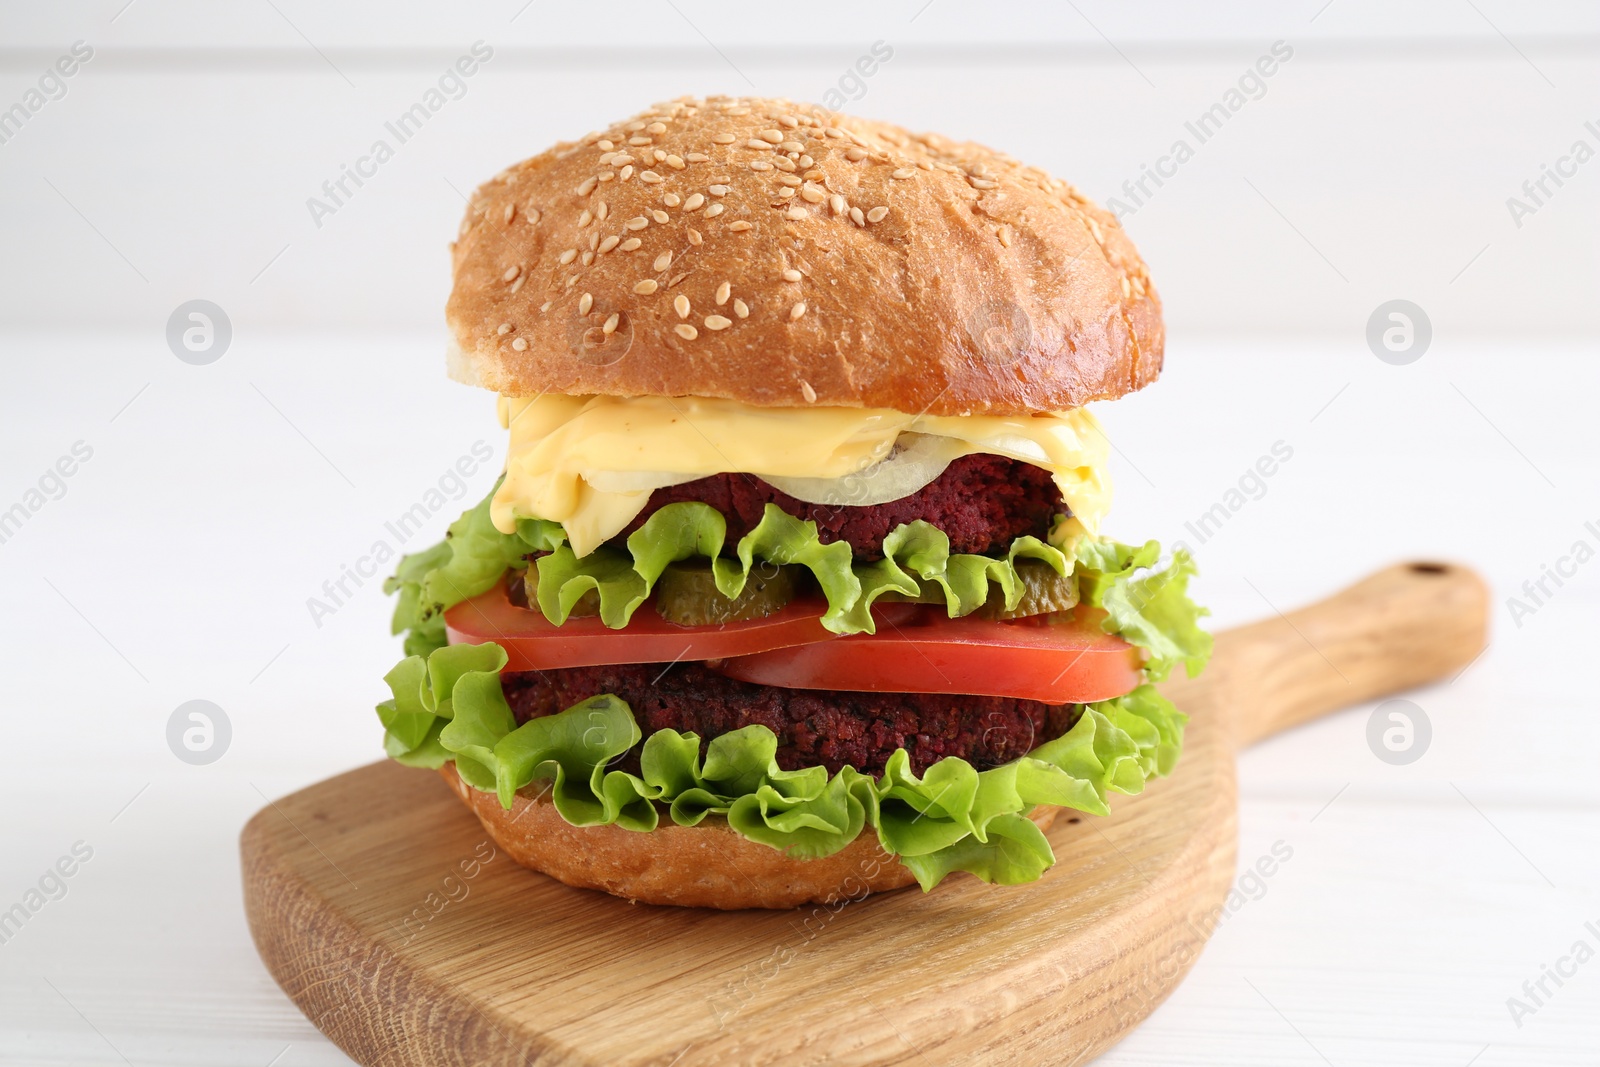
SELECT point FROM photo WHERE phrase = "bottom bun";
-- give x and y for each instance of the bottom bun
(705, 866)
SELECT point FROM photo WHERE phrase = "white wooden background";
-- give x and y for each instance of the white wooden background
(218, 499)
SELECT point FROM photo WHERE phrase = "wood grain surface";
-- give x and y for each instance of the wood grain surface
(386, 914)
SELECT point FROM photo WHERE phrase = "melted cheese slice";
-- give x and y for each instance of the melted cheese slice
(561, 446)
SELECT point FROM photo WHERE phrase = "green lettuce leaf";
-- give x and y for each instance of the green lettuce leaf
(475, 554)
(449, 706)
(1146, 607)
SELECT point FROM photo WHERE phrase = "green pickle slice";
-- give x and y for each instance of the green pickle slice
(1043, 591)
(588, 604)
(687, 594)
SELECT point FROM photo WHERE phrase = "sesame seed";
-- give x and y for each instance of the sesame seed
(855, 154)
(657, 127)
(521, 343)
(650, 176)
(1127, 287)
(531, 214)
(683, 330)
(609, 243)
(789, 179)
(605, 144)
(788, 120)
(785, 193)
(792, 275)
(518, 283)
(1004, 233)
(646, 287)
(904, 172)
(1094, 228)
(676, 278)
(546, 305)
(771, 136)
(671, 200)
(982, 183)
(625, 173)
(783, 163)
(675, 162)
(796, 311)
(713, 211)
(857, 217)
(723, 292)
(813, 193)
(505, 327)
(758, 145)
(586, 218)
(586, 259)
(740, 226)
(792, 146)
(630, 244)
(797, 213)
(585, 302)
(717, 322)
(694, 203)
(878, 214)
(696, 157)
(717, 190)
(594, 240)
(680, 304)
(512, 272)
(812, 175)
(724, 138)
(602, 211)
(760, 164)
(634, 127)
(638, 140)
(638, 222)
(836, 204)
(663, 261)
(741, 309)
(586, 186)
(659, 215)
(694, 236)
(567, 257)
(809, 393)
(511, 210)
(610, 326)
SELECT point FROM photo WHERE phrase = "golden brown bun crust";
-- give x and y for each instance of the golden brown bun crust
(933, 275)
(705, 866)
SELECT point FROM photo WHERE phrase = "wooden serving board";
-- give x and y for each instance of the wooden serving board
(385, 913)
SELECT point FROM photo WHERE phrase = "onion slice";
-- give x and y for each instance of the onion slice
(916, 460)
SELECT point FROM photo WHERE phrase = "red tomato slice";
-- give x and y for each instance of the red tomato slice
(532, 642)
(1064, 658)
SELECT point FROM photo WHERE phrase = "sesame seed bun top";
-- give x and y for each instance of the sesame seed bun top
(783, 256)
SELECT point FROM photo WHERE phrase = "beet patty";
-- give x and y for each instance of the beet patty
(813, 725)
(982, 502)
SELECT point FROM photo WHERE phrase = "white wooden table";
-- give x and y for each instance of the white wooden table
(178, 562)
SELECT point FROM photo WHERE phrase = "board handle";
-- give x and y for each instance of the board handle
(1402, 627)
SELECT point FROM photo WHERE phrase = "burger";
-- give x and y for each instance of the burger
(794, 586)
